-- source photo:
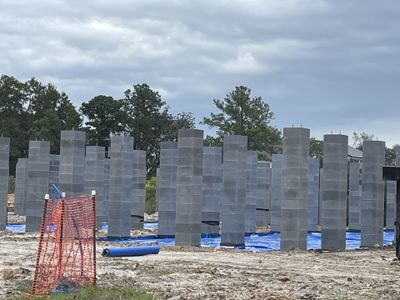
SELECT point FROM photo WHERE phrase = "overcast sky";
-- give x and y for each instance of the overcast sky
(327, 65)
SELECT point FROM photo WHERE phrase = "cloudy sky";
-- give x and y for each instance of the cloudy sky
(329, 65)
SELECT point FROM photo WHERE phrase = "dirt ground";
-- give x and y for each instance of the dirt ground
(190, 273)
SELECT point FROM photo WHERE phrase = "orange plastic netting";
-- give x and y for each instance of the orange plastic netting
(66, 257)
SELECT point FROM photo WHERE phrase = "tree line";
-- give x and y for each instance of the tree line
(32, 110)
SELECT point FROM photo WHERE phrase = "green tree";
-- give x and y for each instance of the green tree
(240, 114)
(390, 157)
(316, 149)
(14, 120)
(181, 120)
(104, 117)
(151, 203)
(360, 138)
(33, 110)
(148, 120)
(50, 111)
(47, 128)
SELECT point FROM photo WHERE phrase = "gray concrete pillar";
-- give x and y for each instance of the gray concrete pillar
(354, 195)
(121, 175)
(372, 202)
(38, 183)
(72, 162)
(276, 192)
(4, 173)
(212, 189)
(94, 180)
(234, 190)
(251, 187)
(313, 193)
(106, 197)
(391, 196)
(263, 193)
(54, 169)
(390, 204)
(189, 192)
(334, 193)
(21, 176)
(139, 189)
(294, 205)
(166, 189)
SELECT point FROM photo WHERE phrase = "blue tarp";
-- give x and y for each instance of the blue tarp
(255, 242)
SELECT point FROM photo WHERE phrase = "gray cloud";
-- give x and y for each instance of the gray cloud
(328, 65)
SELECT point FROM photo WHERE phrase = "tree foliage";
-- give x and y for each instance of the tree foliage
(33, 110)
(360, 138)
(241, 114)
(142, 113)
(104, 117)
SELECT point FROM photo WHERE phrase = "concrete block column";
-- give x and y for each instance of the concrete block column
(121, 176)
(72, 162)
(166, 189)
(106, 196)
(189, 192)
(354, 195)
(390, 204)
(251, 187)
(4, 173)
(212, 189)
(276, 192)
(21, 186)
(234, 190)
(372, 202)
(294, 205)
(313, 193)
(54, 169)
(38, 183)
(263, 193)
(391, 196)
(334, 192)
(94, 180)
(139, 189)
(120, 186)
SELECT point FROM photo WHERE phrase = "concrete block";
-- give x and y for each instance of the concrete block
(166, 189)
(251, 186)
(276, 192)
(21, 186)
(212, 189)
(189, 196)
(372, 202)
(234, 190)
(37, 183)
(294, 204)
(263, 193)
(334, 192)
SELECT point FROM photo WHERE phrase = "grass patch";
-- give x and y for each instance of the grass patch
(120, 293)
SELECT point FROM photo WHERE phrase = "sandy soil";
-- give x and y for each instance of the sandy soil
(189, 273)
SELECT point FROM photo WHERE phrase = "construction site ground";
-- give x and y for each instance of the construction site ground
(204, 273)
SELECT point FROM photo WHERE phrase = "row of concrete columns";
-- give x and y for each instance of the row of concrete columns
(121, 178)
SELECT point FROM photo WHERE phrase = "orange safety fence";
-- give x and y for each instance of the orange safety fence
(66, 257)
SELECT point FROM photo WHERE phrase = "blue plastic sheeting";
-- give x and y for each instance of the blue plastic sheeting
(255, 242)
(130, 251)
